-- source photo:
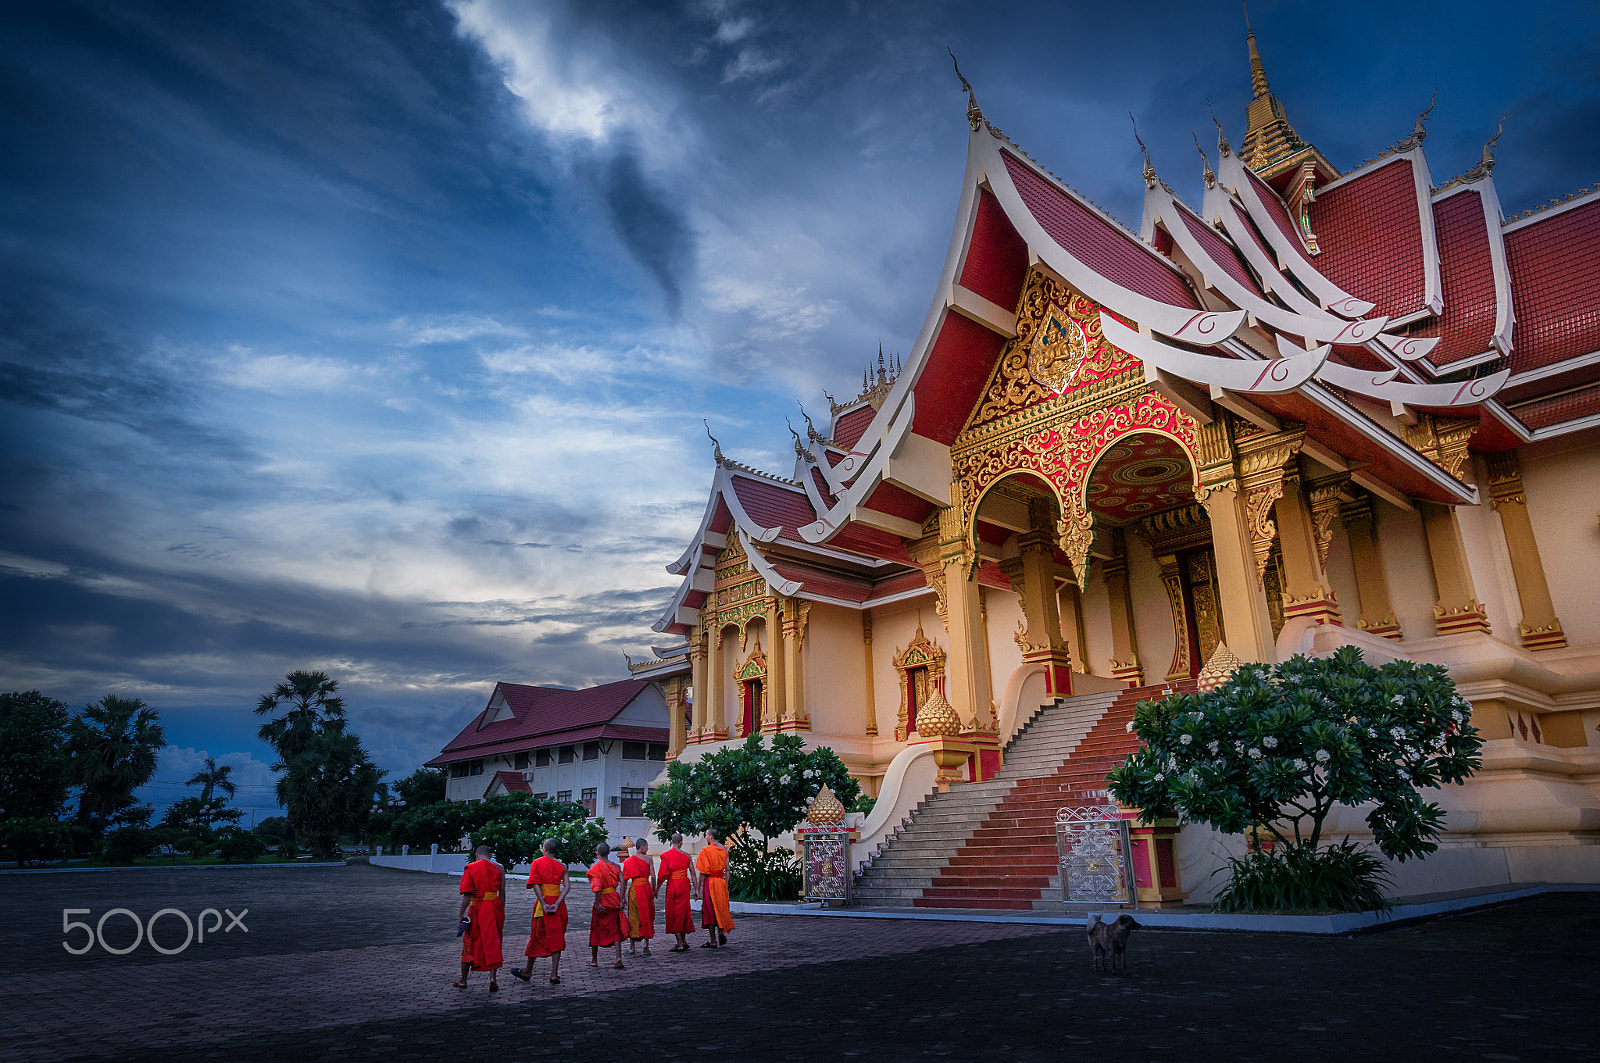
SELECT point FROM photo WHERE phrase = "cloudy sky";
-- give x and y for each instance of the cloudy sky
(375, 337)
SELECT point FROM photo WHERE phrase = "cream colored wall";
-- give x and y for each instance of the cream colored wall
(892, 632)
(1342, 575)
(1407, 566)
(1152, 610)
(1563, 502)
(835, 670)
(1489, 561)
(1097, 624)
(1005, 612)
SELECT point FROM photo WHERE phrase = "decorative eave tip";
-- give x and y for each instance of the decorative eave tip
(1150, 178)
(974, 115)
(1205, 162)
(1223, 147)
(716, 448)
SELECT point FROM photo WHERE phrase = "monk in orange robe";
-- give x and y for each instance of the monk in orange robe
(638, 886)
(715, 915)
(607, 925)
(483, 913)
(673, 873)
(548, 936)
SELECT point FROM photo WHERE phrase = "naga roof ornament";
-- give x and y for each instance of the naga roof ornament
(1150, 177)
(1205, 161)
(974, 116)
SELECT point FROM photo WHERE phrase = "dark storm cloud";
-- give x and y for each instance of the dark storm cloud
(655, 230)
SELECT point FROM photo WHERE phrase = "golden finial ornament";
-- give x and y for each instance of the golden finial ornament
(1218, 669)
(937, 718)
(716, 448)
(1150, 178)
(825, 809)
(974, 116)
(1205, 160)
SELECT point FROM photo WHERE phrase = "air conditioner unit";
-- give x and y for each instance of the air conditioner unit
(613, 800)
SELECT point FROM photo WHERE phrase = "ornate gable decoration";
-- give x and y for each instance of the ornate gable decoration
(739, 592)
(919, 653)
(754, 666)
(1059, 349)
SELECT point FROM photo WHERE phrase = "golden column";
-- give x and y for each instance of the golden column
(1035, 582)
(773, 703)
(1539, 628)
(1457, 608)
(1222, 492)
(702, 693)
(1306, 591)
(1074, 631)
(871, 698)
(674, 689)
(794, 635)
(713, 722)
(967, 664)
(1124, 640)
(1372, 582)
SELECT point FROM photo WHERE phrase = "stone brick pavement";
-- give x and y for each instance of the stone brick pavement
(355, 963)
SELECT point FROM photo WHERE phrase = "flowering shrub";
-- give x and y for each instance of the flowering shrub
(1275, 748)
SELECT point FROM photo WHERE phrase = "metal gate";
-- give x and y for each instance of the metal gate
(1095, 855)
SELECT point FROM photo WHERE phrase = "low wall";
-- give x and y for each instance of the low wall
(911, 776)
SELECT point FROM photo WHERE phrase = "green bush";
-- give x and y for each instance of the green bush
(288, 850)
(239, 846)
(756, 873)
(272, 830)
(864, 805)
(127, 844)
(35, 839)
(1338, 878)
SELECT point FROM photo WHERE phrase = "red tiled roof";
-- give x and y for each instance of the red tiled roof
(997, 258)
(1277, 213)
(1219, 249)
(1466, 328)
(1370, 233)
(898, 584)
(577, 735)
(1546, 412)
(820, 482)
(542, 712)
(1555, 287)
(829, 584)
(1096, 242)
(511, 780)
(773, 505)
(850, 427)
(949, 384)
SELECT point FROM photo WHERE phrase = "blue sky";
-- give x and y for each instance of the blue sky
(375, 337)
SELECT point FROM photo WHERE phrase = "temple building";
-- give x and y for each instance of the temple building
(1318, 408)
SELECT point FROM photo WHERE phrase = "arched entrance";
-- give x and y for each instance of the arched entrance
(1140, 490)
(750, 682)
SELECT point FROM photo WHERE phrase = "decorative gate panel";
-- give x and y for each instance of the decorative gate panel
(1094, 854)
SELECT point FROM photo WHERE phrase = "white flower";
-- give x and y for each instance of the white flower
(1184, 740)
(1238, 747)
(1299, 765)
(1255, 754)
(784, 781)
(1270, 742)
(1406, 775)
(1371, 733)
(1212, 746)
(1397, 733)
(1129, 729)
(1398, 699)
(1160, 777)
(1323, 756)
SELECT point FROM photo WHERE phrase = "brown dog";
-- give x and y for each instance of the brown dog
(1110, 940)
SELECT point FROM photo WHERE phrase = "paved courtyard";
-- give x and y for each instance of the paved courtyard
(355, 963)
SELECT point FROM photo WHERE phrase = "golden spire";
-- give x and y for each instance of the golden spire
(1268, 138)
(1258, 74)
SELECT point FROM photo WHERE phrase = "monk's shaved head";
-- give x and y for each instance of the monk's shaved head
(550, 846)
(715, 836)
(677, 839)
(602, 849)
(483, 851)
(642, 844)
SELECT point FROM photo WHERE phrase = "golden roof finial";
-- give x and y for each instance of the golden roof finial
(716, 448)
(1149, 168)
(1223, 147)
(1208, 174)
(1258, 74)
(974, 116)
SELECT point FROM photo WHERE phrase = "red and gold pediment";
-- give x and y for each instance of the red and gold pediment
(1059, 354)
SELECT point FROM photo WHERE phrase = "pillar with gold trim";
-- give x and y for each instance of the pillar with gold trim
(1539, 628)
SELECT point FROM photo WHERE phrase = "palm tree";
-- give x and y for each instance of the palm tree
(314, 708)
(213, 778)
(113, 746)
(327, 788)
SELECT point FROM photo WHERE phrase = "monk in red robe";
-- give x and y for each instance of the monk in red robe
(607, 925)
(715, 915)
(639, 888)
(483, 914)
(673, 872)
(548, 936)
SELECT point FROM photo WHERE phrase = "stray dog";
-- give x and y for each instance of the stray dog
(1109, 941)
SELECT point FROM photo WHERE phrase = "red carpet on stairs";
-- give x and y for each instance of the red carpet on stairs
(1009, 860)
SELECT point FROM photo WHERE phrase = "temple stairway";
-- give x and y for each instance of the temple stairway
(992, 844)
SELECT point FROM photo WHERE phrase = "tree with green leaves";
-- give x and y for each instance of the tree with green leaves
(516, 826)
(113, 746)
(1274, 749)
(327, 788)
(35, 762)
(312, 706)
(425, 786)
(212, 778)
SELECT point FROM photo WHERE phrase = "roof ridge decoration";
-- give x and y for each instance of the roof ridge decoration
(974, 116)
(811, 429)
(1419, 133)
(725, 462)
(1207, 173)
(1523, 215)
(1150, 177)
(1269, 138)
(1485, 165)
(801, 454)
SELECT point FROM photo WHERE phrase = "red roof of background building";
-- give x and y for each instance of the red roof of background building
(1370, 233)
(1466, 327)
(540, 713)
(511, 780)
(1555, 287)
(1096, 242)
(1545, 412)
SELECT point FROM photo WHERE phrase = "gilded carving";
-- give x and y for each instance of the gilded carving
(1262, 460)
(1505, 479)
(1442, 440)
(1172, 580)
(921, 668)
(1323, 496)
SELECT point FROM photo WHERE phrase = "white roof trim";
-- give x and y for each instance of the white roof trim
(1544, 372)
(785, 587)
(1551, 212)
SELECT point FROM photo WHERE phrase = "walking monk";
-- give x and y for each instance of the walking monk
(715, 915)
(607, 925)
(674, 874)
(639, 887)
(483, 912)
(549, 934)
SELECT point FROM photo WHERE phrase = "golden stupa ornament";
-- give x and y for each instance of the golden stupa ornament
(1218, 669)
(937, 719)
(825, 809)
